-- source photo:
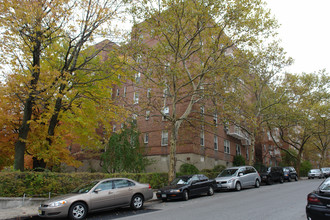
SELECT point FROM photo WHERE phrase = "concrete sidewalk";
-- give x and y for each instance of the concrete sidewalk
(28, 210)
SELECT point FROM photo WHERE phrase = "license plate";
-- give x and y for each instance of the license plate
(163, 195)
(39, 211)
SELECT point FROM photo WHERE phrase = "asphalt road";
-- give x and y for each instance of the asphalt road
(274, 202)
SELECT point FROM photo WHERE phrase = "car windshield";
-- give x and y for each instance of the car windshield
(315, 171)
(85, 188)
(228, 172)
(325, 186)
(181, 181)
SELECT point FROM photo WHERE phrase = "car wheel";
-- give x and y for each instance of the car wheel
(296, 178)
(210, 192)
(257, 184)
(281, 179)
(78, 211)
(289, 179)
(238, 186)
(185, 196)
(137, 202)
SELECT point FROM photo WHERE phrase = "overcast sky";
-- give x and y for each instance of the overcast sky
(305, 32)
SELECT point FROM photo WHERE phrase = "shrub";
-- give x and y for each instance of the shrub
(239, 160)
(219, 168)
(186, 169)
(305, 167)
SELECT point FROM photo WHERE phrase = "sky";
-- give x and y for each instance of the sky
(305, 32)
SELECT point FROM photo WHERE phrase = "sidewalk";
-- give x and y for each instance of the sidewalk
(22, 212)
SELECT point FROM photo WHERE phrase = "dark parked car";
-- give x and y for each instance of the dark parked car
(186, 186)
(290, 174)
(272, 174)
(318, 202)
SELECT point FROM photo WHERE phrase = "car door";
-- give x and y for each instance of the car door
(103, 196)
(123, 191)
(196, 187)
(204, 183)
(243, 176)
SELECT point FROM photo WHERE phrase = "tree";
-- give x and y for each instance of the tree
(124, 152)
(294, 118)
(193, 53)
(37, 34)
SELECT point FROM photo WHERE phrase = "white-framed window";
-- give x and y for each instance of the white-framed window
(147, 115)
(238, 149)
(117, 93)
(114, 128)
(215, 119)
(124, 92)
(227, 147)
(164, 141)
(202, 137)
(148, 93)
(166, 113)
(137, 77)
(146, 138)
(216, 142)
(165, 92)
(202, 110)
(136, 97)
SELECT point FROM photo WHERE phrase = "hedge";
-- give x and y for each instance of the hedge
(40, 184)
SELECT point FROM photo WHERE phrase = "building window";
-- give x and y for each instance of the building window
(238, 149)
(166, 113)
(117, 92)
(215, 119)
(149, 93)
(137, 77)
(164, 141)
(165, 92)
(247, 153)
(147, 115)
(215, 142)
(202, 137)
(114, 128)
(146, 138)
(202, 110)
(227, 146)
(124, 92)
(136, 97)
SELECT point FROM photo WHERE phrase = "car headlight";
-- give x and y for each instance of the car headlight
(175, 190)
(57, 203)
(230, 181)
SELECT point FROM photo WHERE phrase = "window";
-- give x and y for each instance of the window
(136, 97)
(149, 93)
(165, 92)
(215, 142)
(137, 77)
(215, 119)
(114, 128)
(166, 113)
(147, 115)
(107, 185)
(117, 92)
(146, 138)
(202, 110)
(247, 153)
(122, 183)
(238, 149)
(164, 141)
(202, 137)
(227, 146)
(124, 92)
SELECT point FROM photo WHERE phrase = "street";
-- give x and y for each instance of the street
(271, 202)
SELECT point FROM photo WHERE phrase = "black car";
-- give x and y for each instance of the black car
(318, 202)
(290, 174)
(186, 186)
(272, 174)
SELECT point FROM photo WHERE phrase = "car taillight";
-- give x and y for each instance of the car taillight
(149, 186)
(313, 199)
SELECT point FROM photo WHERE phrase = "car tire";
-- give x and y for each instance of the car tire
(185, 195)
(210, 191)
(289, 179)
(78, 211)
(137, 202)
(296, 178)
(238, 186)
(257, 184)
(281, 179)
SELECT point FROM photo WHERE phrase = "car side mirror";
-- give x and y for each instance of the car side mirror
(97, 190)
(240, 174)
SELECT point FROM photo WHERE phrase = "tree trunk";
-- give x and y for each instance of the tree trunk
(24, 129)
(173, 142)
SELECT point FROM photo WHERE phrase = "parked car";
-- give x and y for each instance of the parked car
(185, 187)
(326, 172)
(318, 202)
(272, 174)
(290, 174)
(238, 178)
(97, 196)
(315, 173)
